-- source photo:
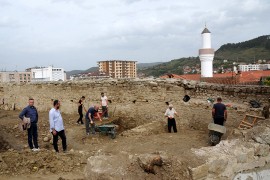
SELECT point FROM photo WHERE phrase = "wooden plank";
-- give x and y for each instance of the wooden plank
(259, 117)
(247, 123)
(254, 121)
(244, 127)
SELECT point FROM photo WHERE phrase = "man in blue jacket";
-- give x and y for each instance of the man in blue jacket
(31, 112)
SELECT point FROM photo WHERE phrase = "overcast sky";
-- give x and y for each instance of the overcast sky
(75, 34)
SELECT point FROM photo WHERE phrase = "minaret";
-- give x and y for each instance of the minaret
(206, 54)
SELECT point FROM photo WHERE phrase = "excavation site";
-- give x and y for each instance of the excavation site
(140, 146)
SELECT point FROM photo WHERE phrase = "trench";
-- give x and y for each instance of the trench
(124, 124)
(4, 145)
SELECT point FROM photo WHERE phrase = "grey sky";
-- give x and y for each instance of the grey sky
(75, 34)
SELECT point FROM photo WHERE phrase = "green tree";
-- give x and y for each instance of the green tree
(267, 45)
(267, 81)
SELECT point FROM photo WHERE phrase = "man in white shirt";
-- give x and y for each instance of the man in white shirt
(170, 112)
(57, 126)
(104, 105)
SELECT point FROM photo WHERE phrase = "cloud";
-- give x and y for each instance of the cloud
(7, 22)
(4, 3)
(83, 32)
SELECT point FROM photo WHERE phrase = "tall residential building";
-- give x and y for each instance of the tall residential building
(47, 74)
(15, 76)
(118, 68)
(206, 54)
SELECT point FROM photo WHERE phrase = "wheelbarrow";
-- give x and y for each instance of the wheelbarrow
(215, 133)
(108, 129)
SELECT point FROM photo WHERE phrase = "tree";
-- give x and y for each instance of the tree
(267, 45)
(267, 81)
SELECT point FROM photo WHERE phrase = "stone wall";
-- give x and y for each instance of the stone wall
(140, 100)
(231, 157)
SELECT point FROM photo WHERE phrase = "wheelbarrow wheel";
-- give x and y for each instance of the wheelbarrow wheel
(113, 134)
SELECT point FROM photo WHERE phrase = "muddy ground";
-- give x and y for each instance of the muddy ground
(18, 162)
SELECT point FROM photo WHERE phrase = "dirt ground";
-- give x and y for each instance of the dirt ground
(18, 162)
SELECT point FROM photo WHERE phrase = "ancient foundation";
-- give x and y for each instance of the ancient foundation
(139, 106)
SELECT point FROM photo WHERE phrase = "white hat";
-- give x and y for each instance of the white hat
(170, 105)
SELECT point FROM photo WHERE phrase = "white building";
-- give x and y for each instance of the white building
(206, 54)
(48, 74)
(253, 67)
(265, 66)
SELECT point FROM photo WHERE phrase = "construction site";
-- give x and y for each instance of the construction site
(142, 147)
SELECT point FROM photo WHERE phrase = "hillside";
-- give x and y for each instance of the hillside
(247, 51)
(242, 52)
(92, 69)
(147, 65)
(174, 66)
(140, 66)
(73, 72)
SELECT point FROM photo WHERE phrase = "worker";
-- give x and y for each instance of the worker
(219, 112)
(80, 110)
(89, 119)
(170, 112)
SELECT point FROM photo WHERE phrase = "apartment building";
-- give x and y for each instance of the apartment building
(15, 76)
(47, 74)
(118, 68)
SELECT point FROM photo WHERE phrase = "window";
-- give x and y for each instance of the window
(11, 76)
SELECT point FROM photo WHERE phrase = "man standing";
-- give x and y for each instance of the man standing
(57, 126)
(80, 109)
(219, 112)
(265, 112)
(170, 112)
(89, 119)
(104, 104)
(31, 112)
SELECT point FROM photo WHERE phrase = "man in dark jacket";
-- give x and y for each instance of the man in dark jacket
(80, 110)
(31, 112)
(219, 112)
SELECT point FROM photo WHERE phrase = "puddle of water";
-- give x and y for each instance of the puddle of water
(259, 175)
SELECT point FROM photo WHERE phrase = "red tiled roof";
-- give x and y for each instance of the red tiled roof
(195, 77)
(250, 76)
(247, 76)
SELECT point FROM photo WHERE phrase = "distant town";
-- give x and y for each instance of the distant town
(107, 69)
(113, 69)
(227, 72)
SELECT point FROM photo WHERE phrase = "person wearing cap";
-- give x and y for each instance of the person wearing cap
(170, 112)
